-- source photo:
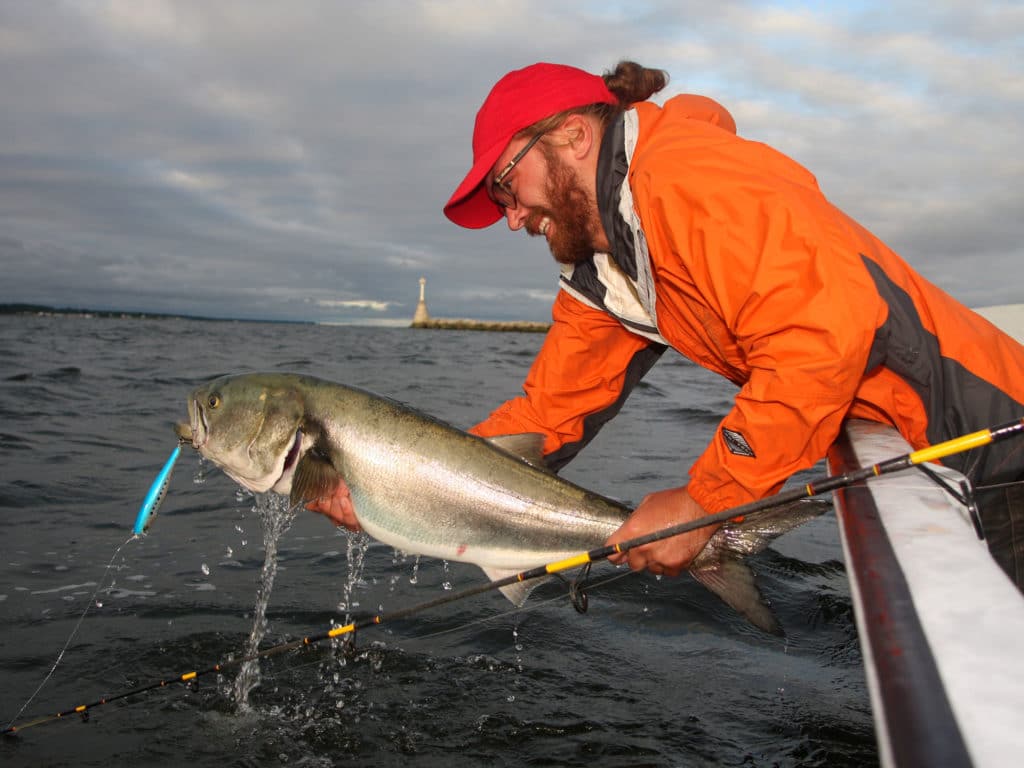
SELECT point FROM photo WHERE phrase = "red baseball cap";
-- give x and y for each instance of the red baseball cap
(517, 101)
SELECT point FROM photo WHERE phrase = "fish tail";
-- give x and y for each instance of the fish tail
(721, 569)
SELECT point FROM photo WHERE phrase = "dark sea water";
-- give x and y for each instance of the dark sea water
(657, 672)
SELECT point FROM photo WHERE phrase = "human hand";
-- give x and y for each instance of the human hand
(657, 511)
(337, 507)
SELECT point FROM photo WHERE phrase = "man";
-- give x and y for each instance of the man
(674, 231)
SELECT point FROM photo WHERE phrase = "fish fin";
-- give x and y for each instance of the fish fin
(517, 592)
(528, 446)
(733, 581)
(719, 568)
(314, 478)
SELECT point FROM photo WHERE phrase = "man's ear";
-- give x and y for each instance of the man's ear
(580, 133)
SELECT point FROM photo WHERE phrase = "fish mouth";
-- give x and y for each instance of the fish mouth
(197, 431)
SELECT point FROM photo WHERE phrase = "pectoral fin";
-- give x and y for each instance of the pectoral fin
(315, 477)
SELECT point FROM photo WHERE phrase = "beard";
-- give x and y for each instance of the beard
(570, 213)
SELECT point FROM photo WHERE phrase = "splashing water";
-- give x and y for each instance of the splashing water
(356, 546)
(330, 671)
(276, 517)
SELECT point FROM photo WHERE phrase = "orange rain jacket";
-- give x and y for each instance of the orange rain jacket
(727, 251)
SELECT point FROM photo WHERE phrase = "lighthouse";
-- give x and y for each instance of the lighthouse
(421, 315)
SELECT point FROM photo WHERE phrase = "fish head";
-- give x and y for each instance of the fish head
(250, 426)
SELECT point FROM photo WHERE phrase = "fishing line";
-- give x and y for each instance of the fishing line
(147, 511)
(823, 485)
(74, 631)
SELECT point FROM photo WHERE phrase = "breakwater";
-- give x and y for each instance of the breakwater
(481, 325)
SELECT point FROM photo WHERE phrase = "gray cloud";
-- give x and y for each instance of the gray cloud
(290, 161)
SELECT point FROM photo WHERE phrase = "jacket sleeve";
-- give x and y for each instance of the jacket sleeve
(776, 270)
(585, 370)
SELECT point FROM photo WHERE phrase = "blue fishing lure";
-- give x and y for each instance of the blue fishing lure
(156, 494)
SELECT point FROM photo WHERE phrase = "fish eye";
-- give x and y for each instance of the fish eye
(214, 400)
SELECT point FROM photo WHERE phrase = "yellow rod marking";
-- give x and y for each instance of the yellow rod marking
(342, 630)
(569, 562)
(189, 676)
(956, 445)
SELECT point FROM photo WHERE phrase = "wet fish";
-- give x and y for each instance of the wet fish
(425, 487)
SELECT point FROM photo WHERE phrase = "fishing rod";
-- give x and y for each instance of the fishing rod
(814, 488)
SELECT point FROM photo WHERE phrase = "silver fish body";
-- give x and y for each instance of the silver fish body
(425, 487)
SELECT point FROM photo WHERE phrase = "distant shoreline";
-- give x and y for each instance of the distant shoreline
(526, 326)
(41, 309)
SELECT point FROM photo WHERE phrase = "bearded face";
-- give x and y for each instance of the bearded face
(571, 212)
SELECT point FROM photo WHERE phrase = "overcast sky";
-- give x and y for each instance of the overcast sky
(290, 160)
